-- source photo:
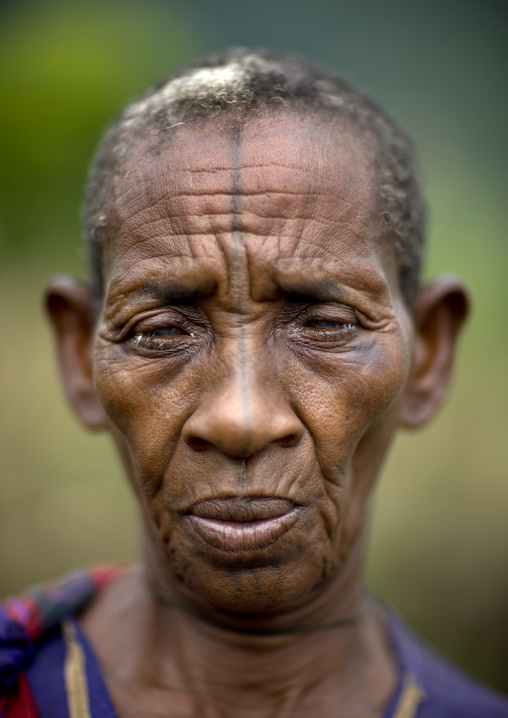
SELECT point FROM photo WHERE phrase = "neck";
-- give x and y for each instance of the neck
(261, 672)
(330, 650)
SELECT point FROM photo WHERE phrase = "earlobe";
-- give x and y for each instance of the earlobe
(69, 307)
(440, 311)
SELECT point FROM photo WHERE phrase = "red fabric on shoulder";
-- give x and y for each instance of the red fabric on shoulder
(22, 705)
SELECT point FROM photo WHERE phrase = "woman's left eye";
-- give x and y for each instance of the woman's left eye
(328, 324)
(322, 332)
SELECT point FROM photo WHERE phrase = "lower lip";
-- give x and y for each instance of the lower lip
(243, 536)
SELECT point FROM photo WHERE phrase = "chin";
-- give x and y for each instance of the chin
(250, 588)
(266, 579)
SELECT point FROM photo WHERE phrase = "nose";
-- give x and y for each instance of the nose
(246, 412)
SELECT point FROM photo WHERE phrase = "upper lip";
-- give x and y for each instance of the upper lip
(242, 508)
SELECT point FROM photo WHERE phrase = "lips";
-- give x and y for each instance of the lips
(242, 523)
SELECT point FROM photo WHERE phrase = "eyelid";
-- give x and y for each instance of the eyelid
(326, 312)
(356, 316)
(144, 326)
(167, 316)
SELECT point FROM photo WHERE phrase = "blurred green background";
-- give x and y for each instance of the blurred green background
(439, 544)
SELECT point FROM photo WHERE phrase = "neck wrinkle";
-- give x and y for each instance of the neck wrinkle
(217, 664)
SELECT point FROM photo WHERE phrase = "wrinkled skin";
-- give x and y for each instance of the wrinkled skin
(253, 351)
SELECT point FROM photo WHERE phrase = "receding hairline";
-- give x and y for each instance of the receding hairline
(236, 127)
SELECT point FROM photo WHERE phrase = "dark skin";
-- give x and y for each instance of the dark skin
(253, 360)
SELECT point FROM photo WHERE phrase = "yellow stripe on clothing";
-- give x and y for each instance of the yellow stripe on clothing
(75, 675)
(411, 697)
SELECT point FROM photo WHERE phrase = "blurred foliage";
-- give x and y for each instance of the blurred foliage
(66, 68)
(439, 548)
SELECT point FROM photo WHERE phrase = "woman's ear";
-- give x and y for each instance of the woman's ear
(69, 307)
(440, 311)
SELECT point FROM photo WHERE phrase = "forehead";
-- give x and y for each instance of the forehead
(298, 192)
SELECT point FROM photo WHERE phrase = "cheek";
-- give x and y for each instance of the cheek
(345, 396)
(349, 405)
(147, 407)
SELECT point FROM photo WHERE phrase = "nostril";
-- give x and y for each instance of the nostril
(198, 444)
(288, 441)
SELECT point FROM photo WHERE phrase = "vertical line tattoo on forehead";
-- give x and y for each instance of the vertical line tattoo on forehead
(239, 270)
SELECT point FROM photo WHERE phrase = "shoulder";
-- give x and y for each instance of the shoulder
(448, 692)
(30, 628)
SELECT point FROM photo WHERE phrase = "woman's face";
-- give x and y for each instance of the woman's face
(250, 353)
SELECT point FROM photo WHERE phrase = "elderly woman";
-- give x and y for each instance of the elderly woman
(252, 338)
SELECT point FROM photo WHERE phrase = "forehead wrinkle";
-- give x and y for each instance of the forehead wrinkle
(235, 210)
(175, 200)
(302, 258)
(270, 206)
(371, 281)
(214, 257)
(194, 249)
(169, 173)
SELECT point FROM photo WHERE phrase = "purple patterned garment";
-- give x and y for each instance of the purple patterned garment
(25, 623)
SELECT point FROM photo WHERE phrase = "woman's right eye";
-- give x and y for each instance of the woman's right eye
(160, 339)
(169, 331)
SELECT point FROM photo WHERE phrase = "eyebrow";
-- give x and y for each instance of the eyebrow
(323, 290)
(172, 292)
(167, 292)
